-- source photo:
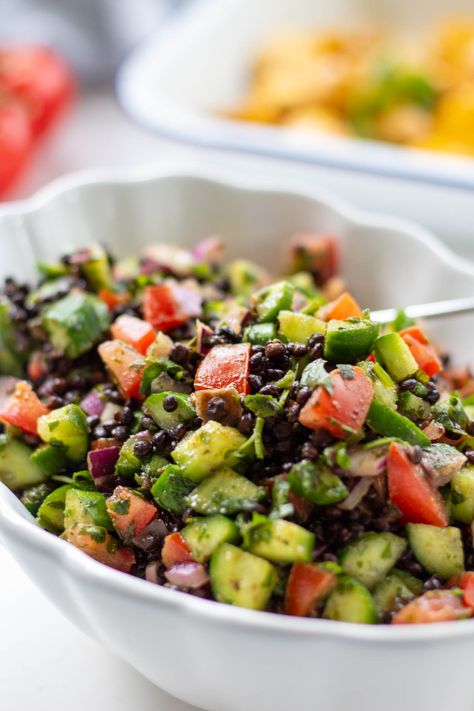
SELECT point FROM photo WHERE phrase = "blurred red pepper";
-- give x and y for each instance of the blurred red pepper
(36, 86)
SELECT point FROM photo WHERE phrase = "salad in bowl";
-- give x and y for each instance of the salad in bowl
(258, 442)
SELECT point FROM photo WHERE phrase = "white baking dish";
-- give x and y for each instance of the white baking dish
(179, 79)
(215, 656)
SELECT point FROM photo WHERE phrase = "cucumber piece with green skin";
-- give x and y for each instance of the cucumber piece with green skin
(128, 463)
(225, 492)
(75, 323)
(413, 406)
(50, 459)
(171, 489)
(389, 423)
(244, 277)
(392, 351)
(385, 390)
(389, 591)
(51, 512)
(33, 497)
(372, 556)
(66, 427)
(297, 327)
(50, 291)
(350, 601)
(438, 550)
(204, 535)
(273, 299)
(316, 483)
(350, 340)
(260, 333)
(462, 495)
(241, 578)
(86, 507)
(12, 358)
(205, 450)
(154, 407)
(279, 541)
(17, 470)
(96, 268)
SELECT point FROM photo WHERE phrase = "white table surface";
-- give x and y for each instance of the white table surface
(48, 665)
(45, 663)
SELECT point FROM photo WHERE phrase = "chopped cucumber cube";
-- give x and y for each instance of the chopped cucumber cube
(372, 556)
(207, 449)
(66, 427)
(241, 578)
(204, 535)
(439, 550)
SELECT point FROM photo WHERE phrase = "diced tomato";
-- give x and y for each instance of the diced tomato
(345, 306)
(23, 408)
(15, 143)
(130, 513)
(315, 253)
(411, 491)
(113, 298)
(125, 364)
(101, 546)
(36, 365)
(345, 407)
(433, 606)
(225, 366)
(170, 305)
(465, 581)
(134, 331)
(422, 350)
(40, 80)
(175, 550)
(306, 586)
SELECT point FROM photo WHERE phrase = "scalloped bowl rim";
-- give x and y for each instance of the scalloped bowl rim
(21, 524)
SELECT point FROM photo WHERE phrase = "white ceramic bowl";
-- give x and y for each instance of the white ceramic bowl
(178, 81)
(215, 656)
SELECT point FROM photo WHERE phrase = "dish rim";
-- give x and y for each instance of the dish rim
(16, 521)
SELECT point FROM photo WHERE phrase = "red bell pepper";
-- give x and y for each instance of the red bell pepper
(40, 80)
(175, 550)
(411, 491)
(113, 298)
(170, 305)
(422, 350)
(130, 513)
(23, 408)
(306, 586)
(225, 366)
(346, 406)
(315, 253)
(36, 367)
(345, 306)
(433, 606)
(101, 546)
(134, 331)
(15, 143)
(465, 581)
(125, 364)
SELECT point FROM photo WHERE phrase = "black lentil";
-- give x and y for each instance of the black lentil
(170, 403)
(216, 409)
(142, 448)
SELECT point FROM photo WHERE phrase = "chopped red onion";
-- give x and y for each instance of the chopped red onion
(201, 332)
(356, 495)
(187, 575)
(93, 404)
(434, 431)
(101, 462)
(441, 462)
(367, 462)
(210, 250)
(167, 258)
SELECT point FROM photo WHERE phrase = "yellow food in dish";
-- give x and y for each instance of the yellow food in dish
(360, 83)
